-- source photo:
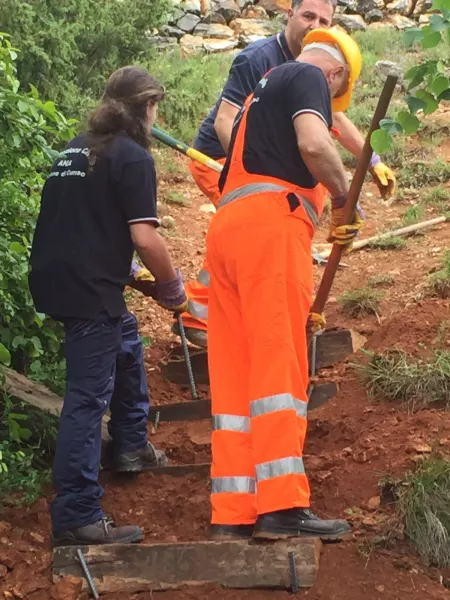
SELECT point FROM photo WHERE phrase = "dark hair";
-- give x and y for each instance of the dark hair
(297, 3)
(123, 109)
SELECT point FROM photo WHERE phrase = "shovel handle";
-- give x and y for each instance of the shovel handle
(353, 194)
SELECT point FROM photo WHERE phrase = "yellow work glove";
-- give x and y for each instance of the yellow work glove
(344, 235)
(144, 275)
(316, 322)
(383, 177)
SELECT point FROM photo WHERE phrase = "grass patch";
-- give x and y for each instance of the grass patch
(418, 174)
(439, 283)
(413, 214)
(393, 242)
(380, 280)
(177, 198)
(396, 375)
(365, 301)
(443, 332)
(424, 506)
(438, 197)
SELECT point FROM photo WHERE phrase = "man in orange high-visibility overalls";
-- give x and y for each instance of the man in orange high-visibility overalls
(282, 162)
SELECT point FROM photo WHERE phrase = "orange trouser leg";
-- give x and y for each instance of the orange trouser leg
(262, 293)
(197, 291)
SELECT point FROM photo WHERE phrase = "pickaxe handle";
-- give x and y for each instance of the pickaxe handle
(353, 195)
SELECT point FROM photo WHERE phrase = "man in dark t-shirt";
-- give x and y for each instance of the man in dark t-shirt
(281, 164)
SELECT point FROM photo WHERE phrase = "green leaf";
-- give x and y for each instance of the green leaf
(415, 104)
(431, 40)
(412, 35)
(431, 102)
(17, 248)
(391, 126)
(381, 141)
(440, 4)
(439, 85)
(437, 23)
(444, 96)
(22, 106)
(409, 122)
(5, 356)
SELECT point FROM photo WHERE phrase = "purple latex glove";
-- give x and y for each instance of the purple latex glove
(135, 268)
(374, 160)
(171, 294)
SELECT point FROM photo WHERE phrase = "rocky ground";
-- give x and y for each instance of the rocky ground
(224, 25)
(353, 443)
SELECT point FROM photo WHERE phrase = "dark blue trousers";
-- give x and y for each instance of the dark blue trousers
(105, 369)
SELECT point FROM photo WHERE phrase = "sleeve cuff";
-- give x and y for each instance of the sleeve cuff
(154, 220)
(311, 111)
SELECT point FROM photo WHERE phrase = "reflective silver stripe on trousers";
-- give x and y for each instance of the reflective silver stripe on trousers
(231, 423)
(204, 277)
(290, 465)
(197, 310)
(233, 485)
(256, 188)
(248, 190)
(277, 402)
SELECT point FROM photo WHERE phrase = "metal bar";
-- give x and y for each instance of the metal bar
(87, 573)
(187, 358)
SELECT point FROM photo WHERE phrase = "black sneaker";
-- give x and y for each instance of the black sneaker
(100, 532)
(231, 532)
(144, 459)
(299, 522)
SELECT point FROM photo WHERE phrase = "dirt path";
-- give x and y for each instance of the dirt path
(353, 442)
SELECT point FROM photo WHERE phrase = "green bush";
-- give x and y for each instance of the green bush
(71, 46)
(193, 85)
(29, 130)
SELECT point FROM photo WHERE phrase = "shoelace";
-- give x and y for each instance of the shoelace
(107, 522)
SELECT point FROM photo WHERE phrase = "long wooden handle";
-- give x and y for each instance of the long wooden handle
(353, 195)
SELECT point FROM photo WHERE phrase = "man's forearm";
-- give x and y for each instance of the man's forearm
(349, 136)
(223, 123)
(325, 165)
(157, 260)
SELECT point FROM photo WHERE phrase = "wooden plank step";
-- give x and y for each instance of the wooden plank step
(333, 346)
(21, 388)
(201, 409)
(133, 568)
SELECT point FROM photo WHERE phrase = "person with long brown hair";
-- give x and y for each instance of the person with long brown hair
(98, 206)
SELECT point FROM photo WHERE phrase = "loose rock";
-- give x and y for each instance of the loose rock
(401, 22)
(188, 22)
(251, 27)
(275, 6)
(67, 588)
(351, 22)
(227, 8)
(374, 16)
(214, 31)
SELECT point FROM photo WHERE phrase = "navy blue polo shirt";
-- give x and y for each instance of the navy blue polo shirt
(270, 142)
(248, 68)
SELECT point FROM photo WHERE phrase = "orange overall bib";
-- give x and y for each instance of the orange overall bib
(261, 283)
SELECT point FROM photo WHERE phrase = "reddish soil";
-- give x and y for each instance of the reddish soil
(353, 441)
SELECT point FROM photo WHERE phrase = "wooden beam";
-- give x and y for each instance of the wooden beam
(333, 346)
(234, 564)
(197, 410)
(21, 388)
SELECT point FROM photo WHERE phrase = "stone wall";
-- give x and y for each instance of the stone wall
(224, 25)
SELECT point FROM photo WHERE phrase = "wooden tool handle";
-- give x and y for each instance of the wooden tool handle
(353, 195)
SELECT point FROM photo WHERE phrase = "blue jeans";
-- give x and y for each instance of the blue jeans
(105, 369)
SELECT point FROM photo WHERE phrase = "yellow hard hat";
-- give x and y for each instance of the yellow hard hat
(352, 54)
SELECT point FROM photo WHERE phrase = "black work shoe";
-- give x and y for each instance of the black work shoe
(197, 337)
(231, 532)
(144, 459)
(100, 532)
(299, 522)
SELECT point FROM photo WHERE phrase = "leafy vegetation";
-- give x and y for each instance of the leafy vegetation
(392, 242)
(426, 83)
(424, 507)
(395, 375)
(439, 282)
